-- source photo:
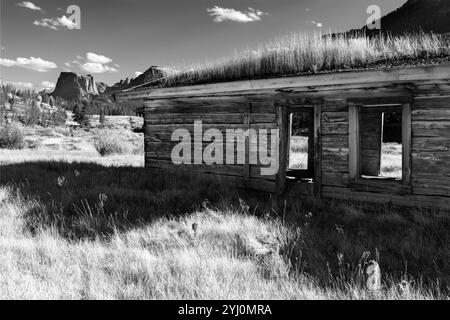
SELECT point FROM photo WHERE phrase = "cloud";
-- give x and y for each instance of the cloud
(224, 14)
(97, 58)
(93, 63)
(93, 67)
(48, 84)
(54, 23)
(32, 63)
(137, 74)
(307, 9)
(29, 5)
(317, 24)
(7, 62)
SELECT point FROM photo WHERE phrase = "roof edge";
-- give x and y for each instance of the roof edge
(398, 74)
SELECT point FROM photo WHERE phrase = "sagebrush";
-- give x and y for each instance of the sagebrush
(12, 136)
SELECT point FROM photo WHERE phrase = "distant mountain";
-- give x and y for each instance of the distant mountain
(73, 86)
(415, 16)
(151, 74)
(101, 87)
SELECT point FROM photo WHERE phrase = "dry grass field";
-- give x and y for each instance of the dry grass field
(75, 225)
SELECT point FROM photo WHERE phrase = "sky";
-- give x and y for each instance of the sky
(116, 39)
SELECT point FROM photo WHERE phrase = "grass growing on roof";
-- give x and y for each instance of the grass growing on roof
(298, 53)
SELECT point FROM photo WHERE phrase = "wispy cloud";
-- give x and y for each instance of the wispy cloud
(97, 58)
(225, 14)
(32, 63)
(29, 5)
(55, 23)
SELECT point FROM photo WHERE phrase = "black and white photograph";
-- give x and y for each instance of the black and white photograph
(226, 157)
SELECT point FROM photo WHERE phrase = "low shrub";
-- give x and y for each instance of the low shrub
(12, 137)
(109, 144)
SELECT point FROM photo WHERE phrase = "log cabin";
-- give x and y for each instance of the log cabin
(342, 119)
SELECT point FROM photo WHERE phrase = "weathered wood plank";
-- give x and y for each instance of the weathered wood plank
(231, 170)
(335, 178)
(385, 98)
(282, 121)
(318, 151)
(335, 128)
(431, 104)
(335, 105)
(341, 116)
(332, 166)
(380, 186)
(354, 165)
(406, 144)
(205, 126)
(431, 186)
(334, 141)
(153, 107)
(431, 115)
(416, 201)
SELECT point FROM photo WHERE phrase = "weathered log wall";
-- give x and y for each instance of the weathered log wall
(163, 117)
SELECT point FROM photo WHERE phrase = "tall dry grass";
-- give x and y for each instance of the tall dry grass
(88, 231)
(299, 53)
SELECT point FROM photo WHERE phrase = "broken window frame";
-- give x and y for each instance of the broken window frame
(372, 183)
(308, 173)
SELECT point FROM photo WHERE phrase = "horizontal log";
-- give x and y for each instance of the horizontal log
(332, 141)
(335, 151)
(156, 108)
(434, 88)
(328, 117)
(420, 166)
(335, 178)
(431, 115)
(421, 132)
(379, 185)
(226, 170)
(433, 103)
(431, 186)
(296, 189)
(335, 128)
(338, 167)
(386, 98)
(335, 105)
(209, 118)
(151, 129)
(416, 201)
